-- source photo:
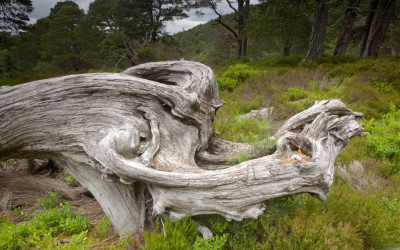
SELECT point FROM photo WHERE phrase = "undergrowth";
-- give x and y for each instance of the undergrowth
(42, 230)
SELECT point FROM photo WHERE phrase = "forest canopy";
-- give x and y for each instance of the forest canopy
(121, 33)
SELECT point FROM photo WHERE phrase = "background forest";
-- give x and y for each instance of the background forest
(114, 35)
(280, 55)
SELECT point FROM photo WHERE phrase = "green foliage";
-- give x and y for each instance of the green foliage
(383, 85)
(363, 97)
(218, 224)
(329, 60)
(389, 67)
(49, 201)
(218, 242)
(238, 159)
(309, 232)
(294, 94)
(62, 219)
(74, 225)
(61, 50)
(169, 235)
(78, 241)
(127, 241)
(392, 204)
(103, 227)
(285, 61)
(25, 215)
(299, 98)
(41, 230)
(28, 77)
(377, 225)
(234, 76)
(384, 140)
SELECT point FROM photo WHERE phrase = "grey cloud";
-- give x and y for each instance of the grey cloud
(42, 9)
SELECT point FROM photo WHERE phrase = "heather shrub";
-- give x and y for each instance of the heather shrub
(370, 101)
(169, 235)
(376, 224)
(309, 231)
(329, 61)
(285, 61)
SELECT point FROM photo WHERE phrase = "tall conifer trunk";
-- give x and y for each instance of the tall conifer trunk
(376, 25)
(242, 16)
(316, 46)
(344, 36)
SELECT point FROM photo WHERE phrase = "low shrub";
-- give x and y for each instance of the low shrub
(384, 140)
(41, 230)
(218, 242)
(169, 235)
(284, 61)
(376, 224)
(102, 228)
(329, 59)
(364, 98)
(234, 76)
(294, 94)
(382, 85)
(49, 201)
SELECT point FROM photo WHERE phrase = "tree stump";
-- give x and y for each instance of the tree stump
(142, 142)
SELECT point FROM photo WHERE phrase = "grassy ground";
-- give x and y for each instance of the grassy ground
(363, 208)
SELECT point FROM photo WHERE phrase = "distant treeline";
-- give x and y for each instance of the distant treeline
(116, 34)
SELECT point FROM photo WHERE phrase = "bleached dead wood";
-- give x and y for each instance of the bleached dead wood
(141, 141)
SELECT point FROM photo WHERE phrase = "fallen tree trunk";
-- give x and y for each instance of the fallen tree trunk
(142, 142)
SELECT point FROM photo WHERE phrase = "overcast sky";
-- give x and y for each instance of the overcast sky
(42, 9)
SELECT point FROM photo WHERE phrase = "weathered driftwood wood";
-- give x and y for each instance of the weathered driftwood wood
(142, 141)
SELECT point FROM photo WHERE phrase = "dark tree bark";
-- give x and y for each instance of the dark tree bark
(376, 25)
(367, 27)
(392, 48)
(316, 46)
(344, 36)
(242, 16)
(286, 49)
